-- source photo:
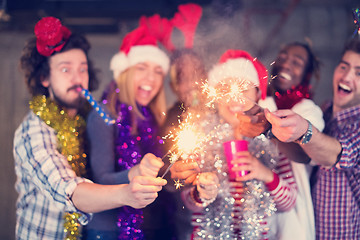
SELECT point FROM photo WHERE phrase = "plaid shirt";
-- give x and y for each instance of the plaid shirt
(45, 182)
(336, 194)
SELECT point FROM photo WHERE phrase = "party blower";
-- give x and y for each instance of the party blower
(107, 119)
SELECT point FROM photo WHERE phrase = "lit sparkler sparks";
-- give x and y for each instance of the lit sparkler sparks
(186, 138)
(227, 90)
(178, 184)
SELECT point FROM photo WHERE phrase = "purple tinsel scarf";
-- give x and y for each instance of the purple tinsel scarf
(129, 150)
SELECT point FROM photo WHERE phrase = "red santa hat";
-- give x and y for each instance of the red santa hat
(138, 46)
(240, 64)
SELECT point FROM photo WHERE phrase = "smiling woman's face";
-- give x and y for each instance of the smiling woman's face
(229, 108)
(148, 79)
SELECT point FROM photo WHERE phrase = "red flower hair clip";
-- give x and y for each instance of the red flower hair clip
(51, 35)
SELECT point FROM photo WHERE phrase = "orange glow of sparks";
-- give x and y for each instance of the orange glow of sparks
(228, 90)
(187, 139)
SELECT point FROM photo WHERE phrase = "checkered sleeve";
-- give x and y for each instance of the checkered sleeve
(38, 159)
(350, 150)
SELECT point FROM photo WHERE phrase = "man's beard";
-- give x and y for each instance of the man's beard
(75, 104)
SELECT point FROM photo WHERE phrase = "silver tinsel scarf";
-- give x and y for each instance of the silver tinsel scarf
(218, 220)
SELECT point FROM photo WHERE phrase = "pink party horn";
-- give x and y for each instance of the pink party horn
(230, 150)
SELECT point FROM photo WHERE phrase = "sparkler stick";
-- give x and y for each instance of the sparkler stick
(172, 162)
(252, 101)
(167, 169)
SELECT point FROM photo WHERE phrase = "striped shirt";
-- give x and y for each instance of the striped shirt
(336, 194)
(283, 188)
(45, 182)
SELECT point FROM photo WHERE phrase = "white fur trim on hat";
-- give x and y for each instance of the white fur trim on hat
(138, 54)
(119, 62)
(240, 68)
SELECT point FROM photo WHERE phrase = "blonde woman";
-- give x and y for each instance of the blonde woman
(136, 100)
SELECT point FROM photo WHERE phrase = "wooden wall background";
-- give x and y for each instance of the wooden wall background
(12, 109)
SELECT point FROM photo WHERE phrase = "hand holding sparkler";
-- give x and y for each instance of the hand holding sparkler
(173, 157)
(186, 171)
(148, 166)
(251, 123)
(188, 138)
(287, 126)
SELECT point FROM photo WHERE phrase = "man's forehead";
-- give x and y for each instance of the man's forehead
(70, 56)
(296, 51)
(351, 58)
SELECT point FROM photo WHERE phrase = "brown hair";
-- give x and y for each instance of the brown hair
(352, 45)
(177, 61)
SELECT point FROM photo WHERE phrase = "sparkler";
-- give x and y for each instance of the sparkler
(186, 139)
(178, 184)
(173, 158)
(228, 90)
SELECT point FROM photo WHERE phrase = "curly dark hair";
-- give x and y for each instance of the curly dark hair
(353, 44)
(36, 66)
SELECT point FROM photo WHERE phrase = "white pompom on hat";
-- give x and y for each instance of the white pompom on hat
(240, 64)
(138, 46)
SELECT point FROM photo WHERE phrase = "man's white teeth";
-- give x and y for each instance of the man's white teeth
(344, 87)
(285, 75)
(146, 88)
